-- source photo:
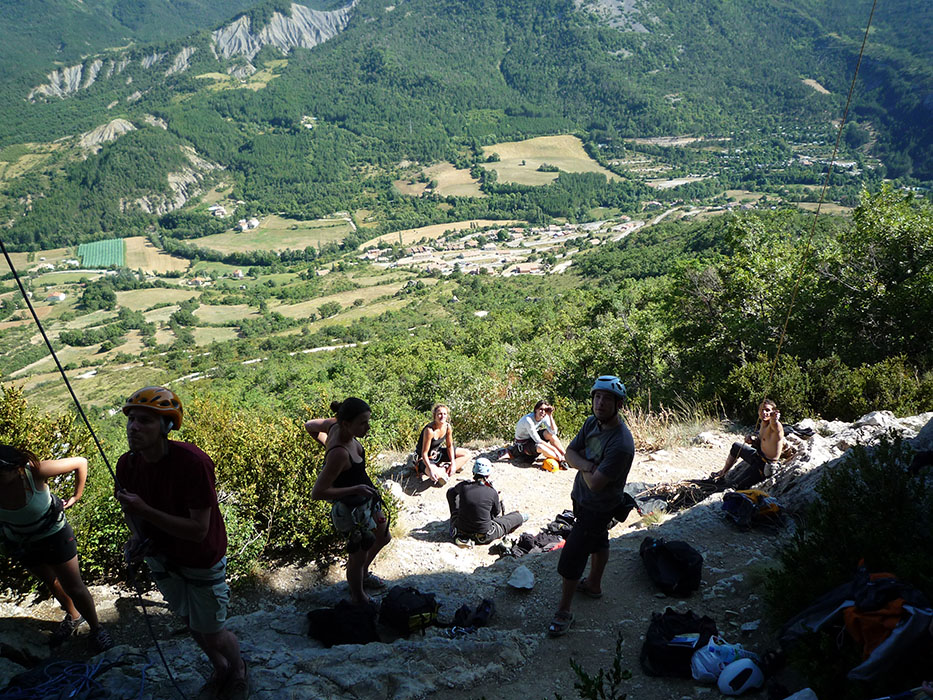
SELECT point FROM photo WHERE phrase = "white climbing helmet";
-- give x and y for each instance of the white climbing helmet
(610, 383)
(482, 467)
(740, 676)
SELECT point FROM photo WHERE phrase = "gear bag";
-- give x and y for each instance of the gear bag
(675, 567)
(671, 640)
(345, 623)
(751, 507)
(405, 609)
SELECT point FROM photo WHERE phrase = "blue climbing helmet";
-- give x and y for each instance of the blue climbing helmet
(482, 467)
(610, 383)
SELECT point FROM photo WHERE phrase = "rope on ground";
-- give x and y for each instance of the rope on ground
(70, 679)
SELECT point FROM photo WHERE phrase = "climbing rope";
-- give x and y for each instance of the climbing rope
(809, 246)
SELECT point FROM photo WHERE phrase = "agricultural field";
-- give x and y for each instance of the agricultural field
(452, 182)
(223, 313)
(519, 160)
(108, 253)
(410, 235)
(345, 299)
(142, 299)
(142, 255)
(17, 159)
(278, 233)
(256, 81)
(28, 261)
(826, 208)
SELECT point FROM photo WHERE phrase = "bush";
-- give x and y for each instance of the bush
(748, 385)
(868, 509)
(266, 467)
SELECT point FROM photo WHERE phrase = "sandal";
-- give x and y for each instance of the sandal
(585, 590)
(561, 624)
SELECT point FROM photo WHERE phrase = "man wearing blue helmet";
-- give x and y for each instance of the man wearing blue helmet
(476, 511)
(602, 453)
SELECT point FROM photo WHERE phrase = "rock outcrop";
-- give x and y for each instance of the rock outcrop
(110, 131)
(184, 185)
(794, 483)
(304, 28)
(180, 63)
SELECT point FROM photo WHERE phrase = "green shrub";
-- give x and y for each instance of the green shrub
(749, 384)
(868, 509)
(266, 467)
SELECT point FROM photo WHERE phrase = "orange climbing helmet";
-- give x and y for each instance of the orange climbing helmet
(159, 399)
(550, 465)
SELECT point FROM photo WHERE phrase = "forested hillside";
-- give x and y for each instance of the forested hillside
(313, 131)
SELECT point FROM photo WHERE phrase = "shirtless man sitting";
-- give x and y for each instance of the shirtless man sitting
(761, 452)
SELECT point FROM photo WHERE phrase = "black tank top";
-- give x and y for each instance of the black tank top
(355, 474)
(435, 443)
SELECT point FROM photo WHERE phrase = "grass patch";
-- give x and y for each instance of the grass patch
(277, 233)
(666, 427)
(519, 160)
(452, 182)
(141, 299)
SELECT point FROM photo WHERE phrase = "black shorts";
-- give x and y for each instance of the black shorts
(590, 534)
(52, 550)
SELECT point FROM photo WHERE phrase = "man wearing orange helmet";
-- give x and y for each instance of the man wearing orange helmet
(167, 492)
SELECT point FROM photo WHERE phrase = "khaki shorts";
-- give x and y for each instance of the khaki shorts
(200, 595)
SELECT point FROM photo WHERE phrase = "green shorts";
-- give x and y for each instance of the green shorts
(200, 595)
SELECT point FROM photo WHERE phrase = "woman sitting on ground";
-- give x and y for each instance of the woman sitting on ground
(435, 454)
(33, 530)
(344, 477)
(536, 434)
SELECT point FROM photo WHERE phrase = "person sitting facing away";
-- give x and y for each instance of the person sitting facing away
(536, 434)
(435, 454)
(761, 452)
(476, 510)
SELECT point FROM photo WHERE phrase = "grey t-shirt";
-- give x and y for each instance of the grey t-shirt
(612, 450)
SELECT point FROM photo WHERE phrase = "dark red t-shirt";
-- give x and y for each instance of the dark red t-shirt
(183, 480)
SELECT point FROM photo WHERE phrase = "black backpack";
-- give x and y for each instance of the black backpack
(675, 567)
(406, 609)
(671, 639)
(345, 623)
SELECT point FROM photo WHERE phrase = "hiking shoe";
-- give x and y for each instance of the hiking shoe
(236, 688)
(66, 628)
(211, 690)
(463, 542)
(101, 640)
(370, 580)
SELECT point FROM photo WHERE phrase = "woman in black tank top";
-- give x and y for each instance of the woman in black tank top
(344, 476)
(435, 454)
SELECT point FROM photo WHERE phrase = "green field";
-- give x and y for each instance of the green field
(519, 160)
(277, 233)
(109, 253)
